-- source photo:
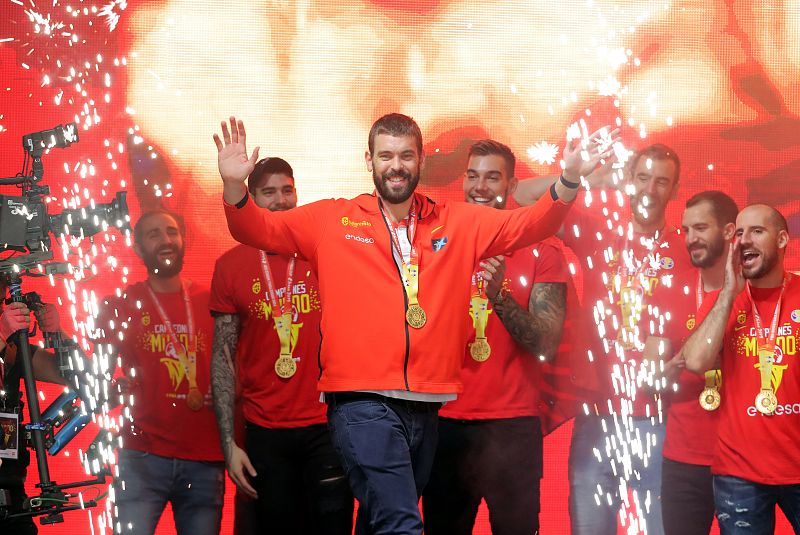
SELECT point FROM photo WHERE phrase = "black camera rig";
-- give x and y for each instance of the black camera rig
(26, 231)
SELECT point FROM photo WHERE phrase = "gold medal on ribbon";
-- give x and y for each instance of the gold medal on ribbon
(766, 402)
(194, 399)
(285, 367)
(480, 350)
(415, 316)
(710, 399)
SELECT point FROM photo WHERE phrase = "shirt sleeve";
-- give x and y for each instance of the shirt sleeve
(298, 230)
(551, 266)
(222, 298)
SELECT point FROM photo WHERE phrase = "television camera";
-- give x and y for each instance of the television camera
(26, 232)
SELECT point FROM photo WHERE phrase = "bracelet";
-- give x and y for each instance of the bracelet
(567, 183)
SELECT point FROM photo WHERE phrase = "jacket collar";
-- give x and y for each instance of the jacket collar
(369, 203)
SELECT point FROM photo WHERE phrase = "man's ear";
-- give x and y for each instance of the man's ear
(783, 239)
(137, 249)
(513, 182)
(368, 160)
(728, 231)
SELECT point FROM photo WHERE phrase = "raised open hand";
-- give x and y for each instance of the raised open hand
(734, 278)
(583, 154)
(234, 164)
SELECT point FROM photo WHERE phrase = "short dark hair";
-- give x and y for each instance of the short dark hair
(137, 228)
(722, 206)
(658, 151)
(779, 220)
(486, 147)
(396, 125)
(265, 168)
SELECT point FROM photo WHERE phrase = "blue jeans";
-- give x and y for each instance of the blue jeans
(386, 448)
(744, 507)
(594, 498)
(147, 482)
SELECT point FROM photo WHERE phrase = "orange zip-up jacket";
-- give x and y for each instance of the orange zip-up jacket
(366, 342)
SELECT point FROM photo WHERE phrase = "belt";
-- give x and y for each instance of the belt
(339, 398)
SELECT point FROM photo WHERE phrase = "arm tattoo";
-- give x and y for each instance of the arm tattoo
(223, 378)
(538, 329)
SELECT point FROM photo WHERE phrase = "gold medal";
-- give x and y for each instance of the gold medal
(709, 399)
(415, 316)
(766, 402)
(194, 399)
(480, 350)
(285, 367)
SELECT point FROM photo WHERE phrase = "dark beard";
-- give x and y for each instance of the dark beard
(768, 262)
(163, 271)
(387, 193)
(714, 251)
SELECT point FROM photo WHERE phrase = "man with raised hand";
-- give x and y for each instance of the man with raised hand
(752, 330)
(394, 270)
(266, 308)
(491, 437)
(687, 493)
(636, 273)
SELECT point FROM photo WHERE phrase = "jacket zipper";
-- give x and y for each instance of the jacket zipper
(405, 302)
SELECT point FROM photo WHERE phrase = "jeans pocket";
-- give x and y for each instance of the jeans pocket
(125, 453)
(362, 412)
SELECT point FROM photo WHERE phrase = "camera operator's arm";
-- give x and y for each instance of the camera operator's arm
(223, 384)
(13, 318)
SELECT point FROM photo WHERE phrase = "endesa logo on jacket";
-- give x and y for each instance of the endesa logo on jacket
(360, 239)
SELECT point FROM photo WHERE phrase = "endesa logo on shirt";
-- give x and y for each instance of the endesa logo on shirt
(784, 409)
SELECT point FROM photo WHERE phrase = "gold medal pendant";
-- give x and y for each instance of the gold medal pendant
(710, 399)
(480, 350)
(415, 316)
(285, 367)
(194, 399)
(766, 402)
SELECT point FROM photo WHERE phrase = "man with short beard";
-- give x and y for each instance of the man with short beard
(491, 437)
(266, 307)
(394, 270)
(162, 331)
(687, 494)
(753, 329)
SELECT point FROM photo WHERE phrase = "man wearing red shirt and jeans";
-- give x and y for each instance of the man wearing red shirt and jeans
(490, 438)
(635, 274)
(288, 464)
(394, 270)
(754, 325)
(162, 331)
(687, 494)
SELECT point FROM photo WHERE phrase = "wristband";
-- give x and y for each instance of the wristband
(567, 183)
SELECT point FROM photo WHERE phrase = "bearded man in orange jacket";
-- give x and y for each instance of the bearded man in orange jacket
(394, 271)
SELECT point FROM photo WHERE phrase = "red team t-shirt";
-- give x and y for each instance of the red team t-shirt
(238, 287)
(656, 274)
(691, 430)
(506, 385)
(752, 446)
(163, 424)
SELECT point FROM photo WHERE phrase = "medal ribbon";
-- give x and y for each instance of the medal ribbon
(282, 315)
(631, 311)
(188, 359)
(713, 377)
(410, 270)
(480, 305)
(768, 344)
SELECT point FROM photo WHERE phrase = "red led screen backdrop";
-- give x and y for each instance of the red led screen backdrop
(148, 82)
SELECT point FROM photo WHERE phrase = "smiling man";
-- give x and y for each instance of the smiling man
(753, 330)
(394, 270)
(517, 306)
(162, 330)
